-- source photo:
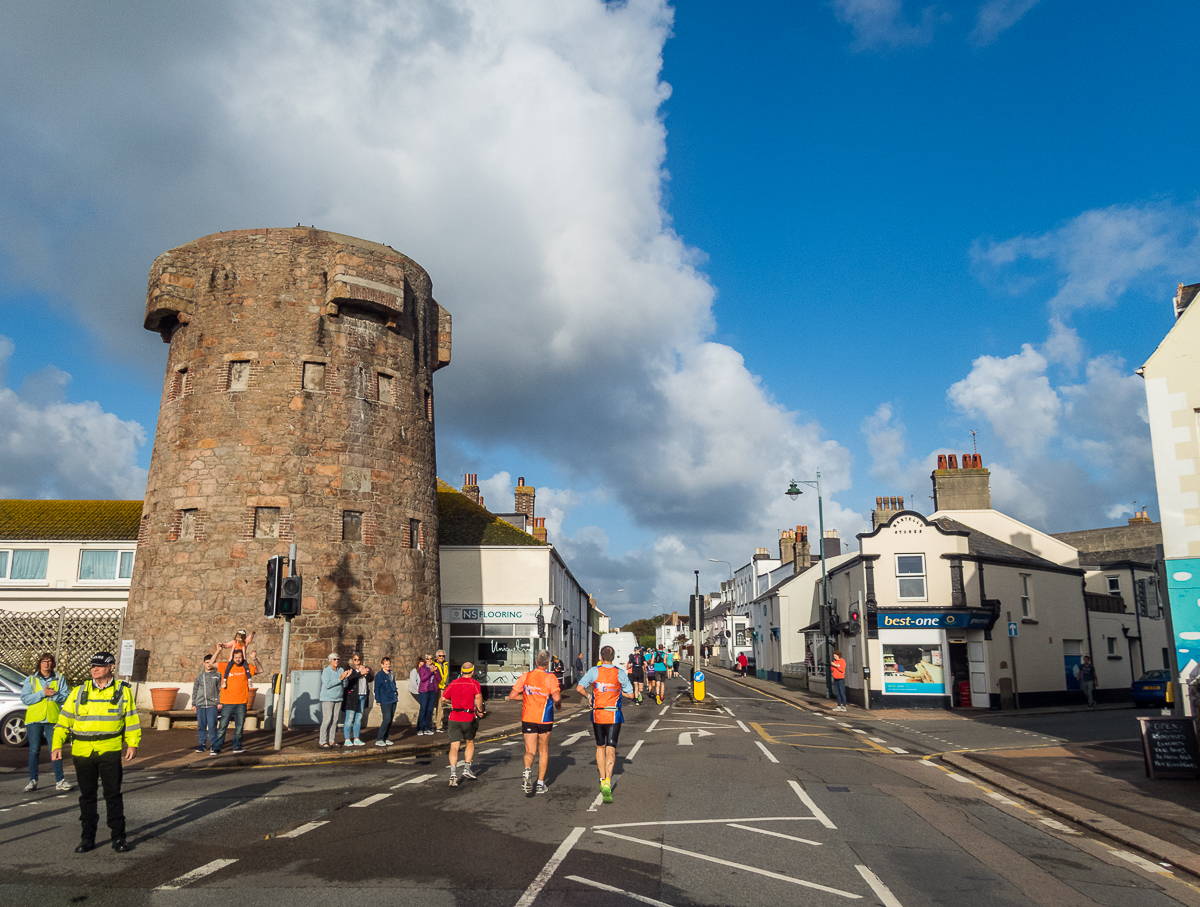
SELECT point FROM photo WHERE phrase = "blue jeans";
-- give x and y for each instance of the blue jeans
(41, 732)
(353, 723)
(387, 713)
(238, 714)
(206, 726)
(425, 716)
(839, 688)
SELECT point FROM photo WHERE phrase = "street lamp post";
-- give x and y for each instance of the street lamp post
(794, 492)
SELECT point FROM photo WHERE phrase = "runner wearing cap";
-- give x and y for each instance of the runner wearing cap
(99, 716)
(539, 694)
(607, 684)
(465, 696)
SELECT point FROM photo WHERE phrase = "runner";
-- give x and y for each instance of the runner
(635, 666)
(608, 685)
(465, 697)
(539, 694)
(660, 675)
(671, 663)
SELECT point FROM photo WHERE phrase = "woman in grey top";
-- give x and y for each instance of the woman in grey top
(331, 700)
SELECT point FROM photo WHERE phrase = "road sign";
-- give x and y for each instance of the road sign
(125, 667)
(1012, 628)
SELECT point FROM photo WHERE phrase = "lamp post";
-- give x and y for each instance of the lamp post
(794, 492)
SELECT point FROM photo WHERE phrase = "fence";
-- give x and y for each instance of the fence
(72, 634)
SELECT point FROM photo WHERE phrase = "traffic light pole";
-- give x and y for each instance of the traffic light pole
(281, 702)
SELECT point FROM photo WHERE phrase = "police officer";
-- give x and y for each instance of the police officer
(99, 716)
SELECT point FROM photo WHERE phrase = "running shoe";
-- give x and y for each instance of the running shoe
(31, 786)
(453, 780)
(63, 785)
(527, 780)
(541, 788)
(467, 773)
(606, 791)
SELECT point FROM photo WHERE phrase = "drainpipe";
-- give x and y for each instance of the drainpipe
(1138, 613)
(1087, 619)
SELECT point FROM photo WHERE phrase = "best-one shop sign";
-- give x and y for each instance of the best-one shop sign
(936, 620)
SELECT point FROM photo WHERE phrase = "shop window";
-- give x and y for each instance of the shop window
(239, 375)
(1026, 597)
(466, 630)
(24, 563)
(351, 526)
(914, 669)
(910, 577)
(266, 522)
(105, 566)
(313, 377)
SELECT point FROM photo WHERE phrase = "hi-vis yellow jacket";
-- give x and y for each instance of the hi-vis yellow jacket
(98, 721)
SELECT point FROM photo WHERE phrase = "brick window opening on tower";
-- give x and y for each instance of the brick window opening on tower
(416, 535)
(239, 375)
(351, 526)
(385, 391)
(314, 376)
(266, 522)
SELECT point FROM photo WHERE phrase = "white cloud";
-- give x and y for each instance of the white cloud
(53, 449)
(996, 16)
(883, 24)
(1014, 395)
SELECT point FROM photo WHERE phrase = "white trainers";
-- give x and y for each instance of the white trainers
(541, 787)
(63, 785)
(467, 773)
(453, 780)
(527, 780)
(381, 743)
(31, 786)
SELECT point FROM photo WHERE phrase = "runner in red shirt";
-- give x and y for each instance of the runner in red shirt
(539, 694)
(465, 696)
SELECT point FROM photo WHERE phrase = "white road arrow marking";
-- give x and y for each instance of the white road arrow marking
(575, 737)
(685, 739)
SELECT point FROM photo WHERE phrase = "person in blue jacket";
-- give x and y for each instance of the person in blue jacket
(387, 697)
(44, 691)
(331, 700)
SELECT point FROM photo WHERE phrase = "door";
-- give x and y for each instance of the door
(1072, 658)
(977, 662)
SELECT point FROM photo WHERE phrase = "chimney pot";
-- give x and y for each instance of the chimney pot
(901, 501)
(520, 480)
(878, 503)
(952, 461)
(941, 461)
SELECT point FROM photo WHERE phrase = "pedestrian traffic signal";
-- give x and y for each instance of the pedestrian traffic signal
(274, 586)
(291, 591)
(541, 624)
(855, 623)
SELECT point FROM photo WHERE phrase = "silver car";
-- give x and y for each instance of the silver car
(12, 710)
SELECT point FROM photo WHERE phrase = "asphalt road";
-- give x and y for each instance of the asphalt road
(754, 803)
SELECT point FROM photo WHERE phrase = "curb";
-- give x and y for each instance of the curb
(1162, 851)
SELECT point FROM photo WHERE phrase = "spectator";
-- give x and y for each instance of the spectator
(240, 641)
(235, 695)
(837, 669)
(442, 668)
(414, 687)
(387, 697)
(558, 669)
(206, 702)
(579, 666)
(44, 692)
(1087, 680)
(465, 696)
(355, 700)
(331, 700)
(427, 692)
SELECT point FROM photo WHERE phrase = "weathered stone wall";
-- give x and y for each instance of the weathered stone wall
(298, 394)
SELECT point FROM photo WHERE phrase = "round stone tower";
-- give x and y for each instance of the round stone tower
(297, 409)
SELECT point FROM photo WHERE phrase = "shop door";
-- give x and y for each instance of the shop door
(960, 672)
(977, 658)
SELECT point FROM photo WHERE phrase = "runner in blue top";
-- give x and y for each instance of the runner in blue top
(660, 675)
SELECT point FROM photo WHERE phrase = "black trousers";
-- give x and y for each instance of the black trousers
(90, 772)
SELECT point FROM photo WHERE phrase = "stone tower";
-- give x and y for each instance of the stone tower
(297, 408)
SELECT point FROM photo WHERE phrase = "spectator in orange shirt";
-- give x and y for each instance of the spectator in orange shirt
(235, 696)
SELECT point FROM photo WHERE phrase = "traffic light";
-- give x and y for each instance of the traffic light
(292, 589)
(274, 586)
(541, 624)
(855, 623)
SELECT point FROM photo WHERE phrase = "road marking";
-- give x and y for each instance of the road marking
(1058, 826)
(664, 711)
(511, 743)
(1140, 862)
(685, 739)
(842, 724)
(188, 877)
(829, 718)
(881, 891)
(896, 749)
(762, 732)
(574, 737)
(1000, 798)
(730, 711)
(629, 894)
(633, 752)
(766, 752)
(416, 780)
(494, 749)
(877, 739)
(303, 829)
(700, 856)
(539, 882)
(742, 725)
(652, 724)
(774, 834)
(959, 778)
(374, 798)
(708, 821)
(926, 761)
(857, 730)
(808, 801)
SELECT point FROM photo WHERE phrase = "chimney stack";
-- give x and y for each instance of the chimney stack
(471, 487)
(886, 508)
(968, 488)
(803, 555)
(524, 495)
(833, 545)
(761, 554)
(1140, 517)
(787, 546)
(539, 528)
(1184, 296)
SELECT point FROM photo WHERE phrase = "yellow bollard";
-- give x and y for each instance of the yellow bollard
(698, 686)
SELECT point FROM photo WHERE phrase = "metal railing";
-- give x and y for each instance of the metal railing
(71, 634)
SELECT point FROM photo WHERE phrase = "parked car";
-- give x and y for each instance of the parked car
(12, 710)
(1151, 688)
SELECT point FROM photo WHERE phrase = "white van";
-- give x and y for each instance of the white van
(623, 644)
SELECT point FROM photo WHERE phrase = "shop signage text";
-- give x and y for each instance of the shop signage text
(936, 620)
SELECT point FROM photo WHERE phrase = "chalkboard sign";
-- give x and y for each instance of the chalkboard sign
(1169, 745)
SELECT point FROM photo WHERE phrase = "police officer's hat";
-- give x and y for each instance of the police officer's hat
(103, 659)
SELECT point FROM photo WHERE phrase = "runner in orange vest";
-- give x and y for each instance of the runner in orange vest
(539, 694)
(608, 685)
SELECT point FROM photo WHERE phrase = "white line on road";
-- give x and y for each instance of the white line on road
(664, 711)
(829, 718)
(742, 725)
(1140, 862)
(958, 777)
(842, 724)
(303, 829)
(766, 752)
(925, 761)
(494, 749)
(1058, 826)
(1000, 798)
(730, 711)
(774, 834)
(879, 740)
(374, 798)
(896, 749)
(416, 780)
(857, 730)
(708, 821)
(575, 737)
(629, 894)
(808, 801)
(652, 723)
(633, 752)
(511, 743)
(700, 856)
(881, 891)
(539, 882)
(188, 877)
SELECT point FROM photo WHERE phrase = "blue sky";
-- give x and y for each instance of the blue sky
(691, 252)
